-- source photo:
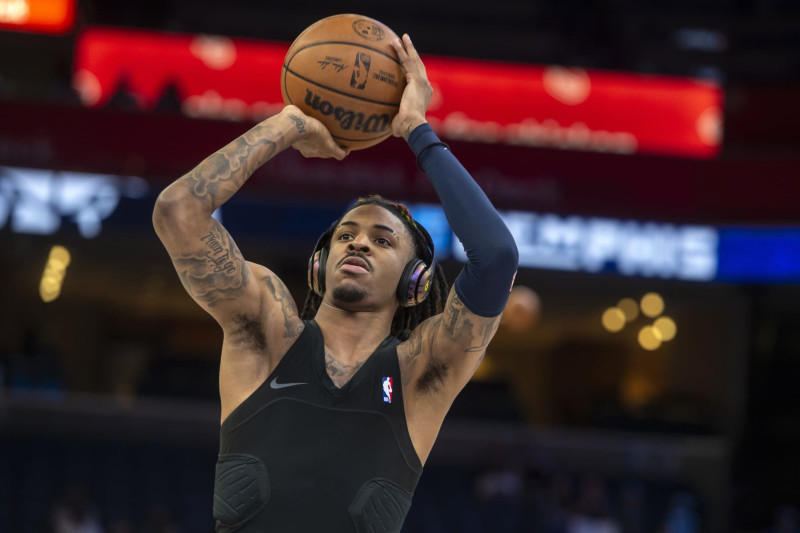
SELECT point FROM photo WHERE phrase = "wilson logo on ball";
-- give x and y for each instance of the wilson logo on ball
(348, 119)
(358, 79)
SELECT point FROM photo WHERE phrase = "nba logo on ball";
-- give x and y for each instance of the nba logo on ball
(387, 390)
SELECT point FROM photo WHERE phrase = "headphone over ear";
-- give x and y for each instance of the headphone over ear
(414, 285)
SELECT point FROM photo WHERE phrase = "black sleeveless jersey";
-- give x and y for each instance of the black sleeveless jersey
(301, 455)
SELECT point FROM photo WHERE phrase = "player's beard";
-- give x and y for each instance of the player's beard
(349, 294)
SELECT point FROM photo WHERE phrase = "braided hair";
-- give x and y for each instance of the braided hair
(405, 318)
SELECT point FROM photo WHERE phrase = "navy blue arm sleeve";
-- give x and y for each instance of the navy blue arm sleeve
(492, 257)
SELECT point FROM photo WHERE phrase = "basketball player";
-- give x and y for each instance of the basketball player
(329, 415)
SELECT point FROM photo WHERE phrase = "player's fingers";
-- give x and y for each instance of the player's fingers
(402, 55)
(413, 55)
(410, 49)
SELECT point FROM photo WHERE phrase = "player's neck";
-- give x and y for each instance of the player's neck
(349, 333)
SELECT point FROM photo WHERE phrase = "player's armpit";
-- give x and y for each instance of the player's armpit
(250, 302)
(443, 352)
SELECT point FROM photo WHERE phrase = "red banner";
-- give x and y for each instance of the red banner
(484, 101)
(163, 146)
(37, 16)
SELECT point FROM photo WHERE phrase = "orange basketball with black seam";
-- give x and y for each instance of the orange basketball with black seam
(343, 71)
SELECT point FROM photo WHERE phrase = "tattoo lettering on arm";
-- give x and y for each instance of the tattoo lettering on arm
(214, 273)
(452, 314)
(293, 326)
(340, 373)
(299, 123)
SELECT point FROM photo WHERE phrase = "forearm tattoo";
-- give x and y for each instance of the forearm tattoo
(214, 271)
(223, 173)
(299, 123)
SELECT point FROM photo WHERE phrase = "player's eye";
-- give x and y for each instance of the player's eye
(345, 237)
(383, 241)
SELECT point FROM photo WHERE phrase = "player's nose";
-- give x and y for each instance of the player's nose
(360, 242)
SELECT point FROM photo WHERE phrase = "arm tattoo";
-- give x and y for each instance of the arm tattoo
(460, 328)
(223, 173)
(340, 373)
(293, 326)
(488, 333)
(452, 313)
(417, 337)
(214, 273)
(435, 371)
(299, 123)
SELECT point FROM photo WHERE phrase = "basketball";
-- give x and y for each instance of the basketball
(343, 71)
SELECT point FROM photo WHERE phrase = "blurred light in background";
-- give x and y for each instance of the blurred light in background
(613, 319)
(37, 16)
(633, 248)
(54, 271)
(37, 201)
(652, 304)
(649, 338)
(605, 244)
(523, 309)
(666, 327)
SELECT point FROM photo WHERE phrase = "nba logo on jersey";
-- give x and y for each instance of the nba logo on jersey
(387, 390)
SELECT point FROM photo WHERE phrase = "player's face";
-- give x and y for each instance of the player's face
(369, 250)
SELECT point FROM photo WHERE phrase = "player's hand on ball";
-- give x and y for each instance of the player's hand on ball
(315, 140)
(418, 92)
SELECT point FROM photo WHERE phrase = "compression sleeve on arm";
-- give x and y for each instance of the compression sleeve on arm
(484, 283)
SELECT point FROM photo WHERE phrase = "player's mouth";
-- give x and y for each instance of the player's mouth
(355, 264)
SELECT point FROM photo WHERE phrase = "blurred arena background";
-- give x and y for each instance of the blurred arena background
(645, 153)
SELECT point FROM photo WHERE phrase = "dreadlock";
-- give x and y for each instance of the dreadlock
(406, 318)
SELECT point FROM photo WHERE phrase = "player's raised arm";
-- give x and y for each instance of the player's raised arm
(443, 352)
(207, 260)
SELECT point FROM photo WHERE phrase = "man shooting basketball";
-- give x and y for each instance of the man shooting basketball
(329, 414)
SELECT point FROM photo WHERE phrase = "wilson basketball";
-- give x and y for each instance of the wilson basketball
(343, 71)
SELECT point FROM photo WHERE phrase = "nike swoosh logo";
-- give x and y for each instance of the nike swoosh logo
(275, 385)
